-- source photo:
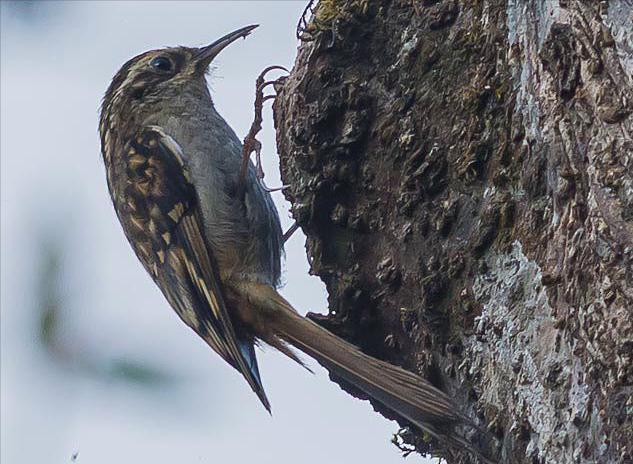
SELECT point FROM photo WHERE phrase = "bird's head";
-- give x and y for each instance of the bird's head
(155, 79)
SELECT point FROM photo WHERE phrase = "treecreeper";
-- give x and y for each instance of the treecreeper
(211, 238)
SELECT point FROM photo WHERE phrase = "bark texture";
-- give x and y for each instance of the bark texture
(463, 170)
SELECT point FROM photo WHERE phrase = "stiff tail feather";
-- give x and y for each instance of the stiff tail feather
(405, 393)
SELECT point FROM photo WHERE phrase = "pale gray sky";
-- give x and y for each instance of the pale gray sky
(57, 60)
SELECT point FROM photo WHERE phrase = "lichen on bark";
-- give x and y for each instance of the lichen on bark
(463, 171)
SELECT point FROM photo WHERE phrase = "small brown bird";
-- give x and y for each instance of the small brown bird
(212, 241)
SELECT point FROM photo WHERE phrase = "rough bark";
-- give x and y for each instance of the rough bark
(463, 170)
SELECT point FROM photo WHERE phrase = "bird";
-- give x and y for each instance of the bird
(212, 241)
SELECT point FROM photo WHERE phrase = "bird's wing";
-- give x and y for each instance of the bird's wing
(165, 229)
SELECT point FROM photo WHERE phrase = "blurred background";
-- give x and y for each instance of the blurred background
(96, 368)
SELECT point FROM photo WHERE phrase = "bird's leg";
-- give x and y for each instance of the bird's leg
(293, 228)
(251, 144)
(258, 158)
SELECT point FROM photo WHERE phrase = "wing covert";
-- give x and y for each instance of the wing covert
(164, 226)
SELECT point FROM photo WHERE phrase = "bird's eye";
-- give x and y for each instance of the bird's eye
(161, 63)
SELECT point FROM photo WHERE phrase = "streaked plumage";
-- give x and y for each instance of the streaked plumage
(160, 209)
(214, 248)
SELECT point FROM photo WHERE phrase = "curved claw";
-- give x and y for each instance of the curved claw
(265, 84)
(272, 189)
(270, 68)
(302, 26)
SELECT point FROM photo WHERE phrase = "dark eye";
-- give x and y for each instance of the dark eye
(162, 63)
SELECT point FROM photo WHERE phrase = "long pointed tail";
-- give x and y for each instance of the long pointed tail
(398, 389)
(405, 393)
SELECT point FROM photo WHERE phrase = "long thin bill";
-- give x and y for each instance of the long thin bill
(207, 54)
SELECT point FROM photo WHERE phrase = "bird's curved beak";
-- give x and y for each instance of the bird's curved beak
(206, 54)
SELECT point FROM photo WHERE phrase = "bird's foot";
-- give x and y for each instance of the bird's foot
(251, 144)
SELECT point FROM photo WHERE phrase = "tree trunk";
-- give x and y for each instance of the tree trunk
(463, 170)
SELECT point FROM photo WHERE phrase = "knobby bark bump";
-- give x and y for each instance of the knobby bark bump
(463, 170)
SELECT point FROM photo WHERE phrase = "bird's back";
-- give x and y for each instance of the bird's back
(243, 232)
